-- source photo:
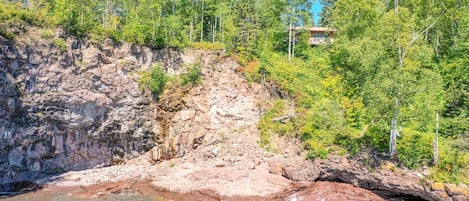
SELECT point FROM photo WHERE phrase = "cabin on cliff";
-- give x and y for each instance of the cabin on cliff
(319, 35)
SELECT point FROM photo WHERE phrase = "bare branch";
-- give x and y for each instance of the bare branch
(421, 33)
(287, 117)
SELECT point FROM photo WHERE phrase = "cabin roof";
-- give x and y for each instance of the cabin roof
(316, 29)
(323, 29)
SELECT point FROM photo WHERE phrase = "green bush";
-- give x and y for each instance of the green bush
(14, 12)
(153, 80)
(350, 141)
(377, 137)
(316, 150)
(318, 142)
(452, 127)
(207, 46)
(61, 44)
(314, 97)
(6, 34)
(192, 76)
(453, 163)
(414, 148)
(46, 34)
(267, 127)
(135, 33)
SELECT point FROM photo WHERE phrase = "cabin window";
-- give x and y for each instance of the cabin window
(319, 35)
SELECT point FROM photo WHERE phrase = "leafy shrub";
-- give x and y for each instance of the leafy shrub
(135, 33)
(14, 12)
(318, 142)
(97, 35)
(61, 44)
(6, 34)
(192, 76)
(350, 140)
(452, 127)
(316, 149)
(266, 126)
(46, 33)
(453, 164)
(414, 148)
(377, 137)
(153, 80)
(319, 113)
(208, 46)
(252, 71)
(159, 42)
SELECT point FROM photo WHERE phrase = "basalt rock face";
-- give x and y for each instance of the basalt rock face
(80, 107)
(75, 108)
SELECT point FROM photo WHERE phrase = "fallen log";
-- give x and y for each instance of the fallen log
(283, 118)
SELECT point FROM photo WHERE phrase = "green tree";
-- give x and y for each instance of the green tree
(388, 65)
(327, 7)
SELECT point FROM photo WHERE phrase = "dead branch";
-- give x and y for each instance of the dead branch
(283, 118)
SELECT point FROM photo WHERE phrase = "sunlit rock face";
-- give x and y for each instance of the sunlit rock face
(334, 191)
(75, 108)
(81, 107)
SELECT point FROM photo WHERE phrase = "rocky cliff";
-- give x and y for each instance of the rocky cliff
(79, 106)
(68, 105)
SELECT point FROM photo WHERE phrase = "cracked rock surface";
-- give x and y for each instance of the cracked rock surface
(81, 108)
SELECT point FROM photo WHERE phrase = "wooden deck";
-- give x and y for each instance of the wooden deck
(320, 40)
(319, 35)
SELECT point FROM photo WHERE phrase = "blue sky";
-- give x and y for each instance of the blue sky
(316, 10)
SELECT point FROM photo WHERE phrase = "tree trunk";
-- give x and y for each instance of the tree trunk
(82, 15)
(105, 14)
(173, 7)
(437, 43)
(435, 143)
(202, 24)
(221, 29)
(293, 45)
(394, 133)
(289, 39)
(214, 31)
(400, 50)
(159, 17)
(153, 34)
(191, 29)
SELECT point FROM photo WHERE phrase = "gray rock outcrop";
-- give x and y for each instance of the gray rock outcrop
(81, 107)
(71, 110)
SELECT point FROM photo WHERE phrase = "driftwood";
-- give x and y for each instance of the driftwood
(287, 117)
